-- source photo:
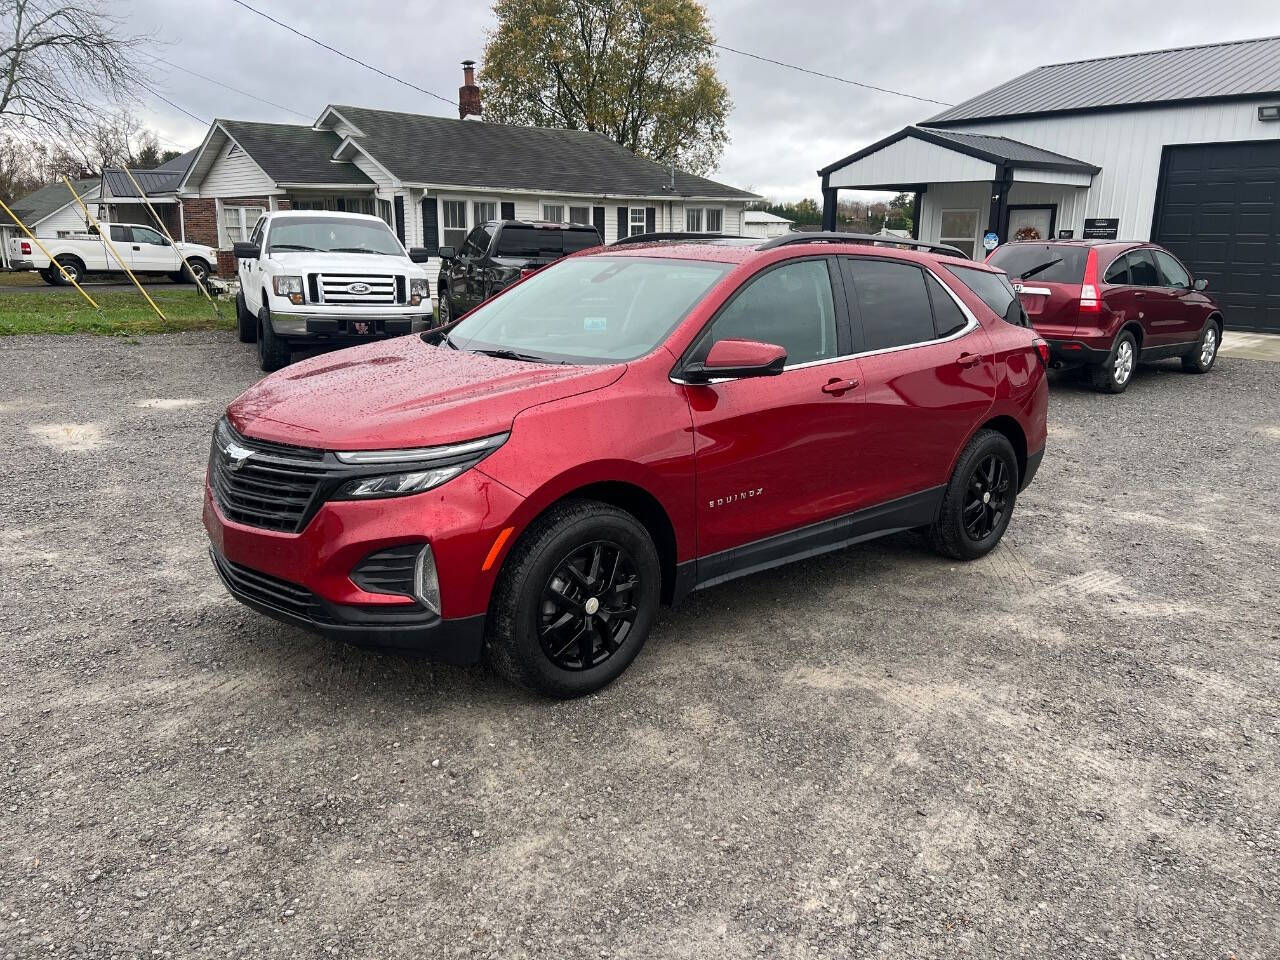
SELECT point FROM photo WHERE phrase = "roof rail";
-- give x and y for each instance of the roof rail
(654, 237)
(826, 237)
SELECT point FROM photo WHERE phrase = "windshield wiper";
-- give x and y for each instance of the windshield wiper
(1039, 268)
(513, 355)
(349, 250)
(291, 246)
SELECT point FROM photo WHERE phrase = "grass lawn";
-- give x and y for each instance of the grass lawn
(123, 313)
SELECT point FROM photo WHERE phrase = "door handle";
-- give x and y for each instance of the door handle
(1140, 295)
(837, 387)
(136, 247)
(969, 359)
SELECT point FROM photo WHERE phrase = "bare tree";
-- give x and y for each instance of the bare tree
(59, 61)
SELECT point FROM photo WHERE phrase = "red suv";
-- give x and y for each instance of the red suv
(623, 427)
(1110, 305)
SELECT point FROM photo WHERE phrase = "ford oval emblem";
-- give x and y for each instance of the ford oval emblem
(359, 289)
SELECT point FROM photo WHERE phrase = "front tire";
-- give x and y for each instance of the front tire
(1114, 375)
(979, 499)
(444, 313)
(1201, 358)
(246, 322)
(273, 353)
(575, 601)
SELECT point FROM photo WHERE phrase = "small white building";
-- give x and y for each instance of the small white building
(762, 223)
(1180, 146)
(49, 212)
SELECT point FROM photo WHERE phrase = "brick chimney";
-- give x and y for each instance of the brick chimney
(469, 93)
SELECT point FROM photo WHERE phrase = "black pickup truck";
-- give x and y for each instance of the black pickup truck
(497, 254)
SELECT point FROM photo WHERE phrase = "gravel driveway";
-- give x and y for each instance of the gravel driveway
(1067, 749)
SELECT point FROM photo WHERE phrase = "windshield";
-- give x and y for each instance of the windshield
(519, 241)
(1047, 262)
(333, 235)
(590, 310)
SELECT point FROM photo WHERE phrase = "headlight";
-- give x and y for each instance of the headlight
(419, 290)
(290, 287)
(420, 468)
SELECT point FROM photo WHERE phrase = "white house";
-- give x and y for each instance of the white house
(1177, 146)
(49, 212)
(762, 223)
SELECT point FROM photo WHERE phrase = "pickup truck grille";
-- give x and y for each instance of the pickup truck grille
(273, 487)
(357, 289)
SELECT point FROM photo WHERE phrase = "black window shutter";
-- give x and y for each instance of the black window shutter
(399, 206)
(622, 222)
(431, 225)
(508, 210)
(340, 204)
(650, 219)
(597, 217)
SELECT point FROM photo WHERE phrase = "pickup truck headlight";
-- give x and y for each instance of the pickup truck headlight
(419, 290)
(413, 470)
(290, 287)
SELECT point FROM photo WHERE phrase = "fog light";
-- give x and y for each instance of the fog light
(426, 585)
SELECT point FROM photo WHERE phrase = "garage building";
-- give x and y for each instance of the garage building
(1177, 146)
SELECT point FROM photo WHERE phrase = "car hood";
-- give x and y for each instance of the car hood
(354, 263)
(403, 393)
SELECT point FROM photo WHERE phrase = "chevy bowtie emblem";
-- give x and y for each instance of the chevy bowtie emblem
(359, 289)
(237, 456)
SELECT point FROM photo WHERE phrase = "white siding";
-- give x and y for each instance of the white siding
(234, 176)
(387, 185)
(1069, 200)
(1127, 146)
(70, 217)
(912, 161)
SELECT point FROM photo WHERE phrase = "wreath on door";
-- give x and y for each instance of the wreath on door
(1028, 233)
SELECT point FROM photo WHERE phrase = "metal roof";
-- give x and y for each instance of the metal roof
(1239, 69)
(154, 182)
(997, 150)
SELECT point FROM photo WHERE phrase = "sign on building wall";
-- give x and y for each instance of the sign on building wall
(1101, 228)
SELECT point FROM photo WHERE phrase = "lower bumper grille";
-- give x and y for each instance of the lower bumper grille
(281, 595)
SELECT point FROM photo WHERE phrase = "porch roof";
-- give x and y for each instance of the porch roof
(919, 155)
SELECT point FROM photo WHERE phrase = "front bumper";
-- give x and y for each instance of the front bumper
(353, 328)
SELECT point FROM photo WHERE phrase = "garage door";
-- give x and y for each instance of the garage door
(1219, 211)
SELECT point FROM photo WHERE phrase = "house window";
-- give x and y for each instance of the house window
(307, 205)
(553, 212)
(237, 222)
(356, 204)
(637, 219)
(453, 222)
(484, 210)
(693, 219)
(960, 230)
(384, 211)
(703, 219)
(580, 215)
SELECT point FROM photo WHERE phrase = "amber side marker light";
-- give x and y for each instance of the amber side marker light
(496, 549)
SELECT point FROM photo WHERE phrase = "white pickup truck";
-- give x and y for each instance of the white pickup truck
(312, 279)
(144, 249)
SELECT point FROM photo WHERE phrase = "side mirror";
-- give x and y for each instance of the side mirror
(738, 359)
(419, 254)
(1201, 284)
(244, 250)
(448, 253)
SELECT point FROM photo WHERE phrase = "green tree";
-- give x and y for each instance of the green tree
(641, 72)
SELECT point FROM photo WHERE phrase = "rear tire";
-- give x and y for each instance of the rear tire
(1114, 375)
(246, 322)
(50, 277)
(979, 498)
(273, 353)
(575, 600)
(1202, 357)
(72, 266)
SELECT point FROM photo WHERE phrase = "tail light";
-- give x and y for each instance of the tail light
(26, 249)
(1089, 299)
(527, 272)
(1042, 348)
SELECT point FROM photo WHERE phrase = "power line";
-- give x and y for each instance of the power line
(243, 93)
(345, 56)
(160, 96)
(827, 76)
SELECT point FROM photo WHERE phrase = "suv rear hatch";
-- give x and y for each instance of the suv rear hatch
(535, 245)
(1048, 278)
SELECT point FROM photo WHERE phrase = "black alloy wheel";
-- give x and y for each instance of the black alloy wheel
(987, 498)
(586, 613)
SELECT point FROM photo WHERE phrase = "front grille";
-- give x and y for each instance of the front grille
(335, 288)
(388, 571)
(267, 590)
(273, 486)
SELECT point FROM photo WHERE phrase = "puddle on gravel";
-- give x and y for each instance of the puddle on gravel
(169, 403)
(71, 437)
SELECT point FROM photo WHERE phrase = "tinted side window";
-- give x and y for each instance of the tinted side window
(477, 242)
(1118, 273)
(995, 290)
(258, 228)
(790, 306)
(146, 235)
(947, 315)
(1171, 271)
(1142, 270)
(119, 235)
(893, 303)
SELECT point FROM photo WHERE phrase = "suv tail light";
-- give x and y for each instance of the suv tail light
(26, 249)
(1042, 348)
(527, 272)
(1089, 299)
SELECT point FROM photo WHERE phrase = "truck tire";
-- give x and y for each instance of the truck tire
(273, 353)
(246, 322)
(194, 269)
(50, 276)
(72, 265)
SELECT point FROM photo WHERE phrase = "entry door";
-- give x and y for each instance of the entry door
(776, 453)
(1031, 223)
(151, 252)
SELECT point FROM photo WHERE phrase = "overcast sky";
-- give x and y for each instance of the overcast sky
(784, 124)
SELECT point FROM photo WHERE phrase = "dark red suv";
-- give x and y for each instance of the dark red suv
(1110, 305)
(628, 425)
